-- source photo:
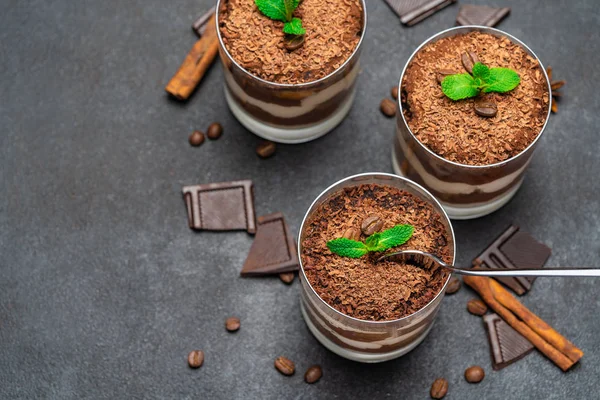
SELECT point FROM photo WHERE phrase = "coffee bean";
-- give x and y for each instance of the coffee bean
(453, 285)
(395, 92)
(442, 73)
(485, 108)
(232, 324)
(287, 277)
(352, 234)
(468, 60)
(215, 130)
(439, 388)
(373, 223)
(313, 374)
(196, 138)
(196, 358)
(474, 374)
(293, 42)
(477, 307)
(266, 149)
(388, 107)
(285, 366)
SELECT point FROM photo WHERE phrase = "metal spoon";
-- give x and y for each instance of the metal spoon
(408, 254)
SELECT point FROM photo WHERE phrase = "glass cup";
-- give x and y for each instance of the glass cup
(465, 191)
(290, 113)
(362, 340)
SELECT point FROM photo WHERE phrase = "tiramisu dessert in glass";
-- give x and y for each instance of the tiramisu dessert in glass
(290, 87)
(359, 306)
(473, 104)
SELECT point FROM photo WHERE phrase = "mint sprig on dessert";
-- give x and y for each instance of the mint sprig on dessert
(282, 10)
(482, 80)
(377, 242)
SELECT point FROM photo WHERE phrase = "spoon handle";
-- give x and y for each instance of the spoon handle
(530, 272)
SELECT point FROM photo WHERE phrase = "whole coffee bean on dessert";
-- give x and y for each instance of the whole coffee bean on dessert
(439, 388)
(474, 374)
(196, 358)
(452, 129)
(364, 287)
(371, 224)
(285, 366)
(313, 374)
(232, 324)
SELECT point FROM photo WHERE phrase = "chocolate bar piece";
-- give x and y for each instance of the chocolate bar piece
(225, 206)
(199, 26)
(506, 344)
(470, 14)
(514, 249)
(414, 11)
(273, 250)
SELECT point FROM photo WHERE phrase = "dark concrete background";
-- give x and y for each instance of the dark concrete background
(103, 288)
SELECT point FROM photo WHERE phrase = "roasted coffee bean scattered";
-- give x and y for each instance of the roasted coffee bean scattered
(439, 388)
(442, 73)
(196, 358)
(285, 366)
(468, 60)
(453, 285)
(287, 277)
(313, 374)
(474, 374)
(388, 107)
(373, 223)
(196, 138)
(395, 92)
(215, 130)
(266, 149)
(352, 234)
(232, 324)
(293, 42)
(485, 108)
(477, 307)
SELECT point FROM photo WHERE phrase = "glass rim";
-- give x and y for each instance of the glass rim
(292, 85)
(409, 183)
(465, 29)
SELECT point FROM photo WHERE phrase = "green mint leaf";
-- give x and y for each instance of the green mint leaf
(372, 242)
(501, 80)
(347, 248)
(274, 9)
(290, 6)
(460, 86)
(294, 27)
(481, 71)
(395, 236)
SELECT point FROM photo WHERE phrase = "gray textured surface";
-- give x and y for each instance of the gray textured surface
(104, 289)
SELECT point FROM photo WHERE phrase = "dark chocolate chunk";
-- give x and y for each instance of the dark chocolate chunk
(470, 14)
(506, 344)
(225, 206)
(199, 26)
(273, 250)
(514, 249)
(414, 11)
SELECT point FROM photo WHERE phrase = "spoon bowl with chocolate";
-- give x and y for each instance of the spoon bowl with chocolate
(359, 308)
(471, 150)
(290, 88)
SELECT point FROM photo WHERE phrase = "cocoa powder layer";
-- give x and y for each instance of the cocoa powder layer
(363, 288)
(333, 30)
(451, 129)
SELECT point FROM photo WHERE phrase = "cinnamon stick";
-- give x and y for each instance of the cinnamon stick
(195, 64)
(551, 343)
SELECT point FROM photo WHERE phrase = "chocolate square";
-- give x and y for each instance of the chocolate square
(506, 344)
(514, 249)
(225, 206)
(273, 250)
(414, 11)
(470, 14)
